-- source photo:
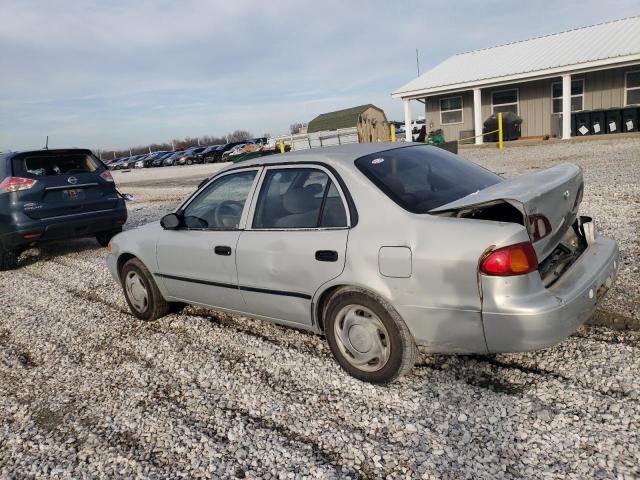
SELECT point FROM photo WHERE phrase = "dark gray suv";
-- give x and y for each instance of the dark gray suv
(52, 195)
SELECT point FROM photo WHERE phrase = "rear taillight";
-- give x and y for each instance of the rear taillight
(14, 184)
(539, 227)
(517, 259)
(106, 175)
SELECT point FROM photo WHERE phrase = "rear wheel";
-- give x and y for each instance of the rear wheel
(104, 238)
(141, 292)
(8, 259)
(368, 338)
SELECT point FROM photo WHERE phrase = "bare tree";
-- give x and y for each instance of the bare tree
(176, 144)
(239, 136)
(295, 128)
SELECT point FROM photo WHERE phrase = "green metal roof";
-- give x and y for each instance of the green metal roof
(338, 119)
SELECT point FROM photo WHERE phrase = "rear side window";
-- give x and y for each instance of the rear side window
(299, 198)
(421, 178)
(51, 165)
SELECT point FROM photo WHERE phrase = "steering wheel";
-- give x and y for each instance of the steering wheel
(227, 214)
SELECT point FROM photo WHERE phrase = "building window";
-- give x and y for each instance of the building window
(450, 110)
(577, 92)
(632, 88)
(505, 101)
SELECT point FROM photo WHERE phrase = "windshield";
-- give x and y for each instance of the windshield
(421, 178)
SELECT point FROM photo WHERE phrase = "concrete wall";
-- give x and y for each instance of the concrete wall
(602, 89)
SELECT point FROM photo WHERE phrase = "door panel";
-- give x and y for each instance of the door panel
(198, 262)
(192, 270)
(282, 265)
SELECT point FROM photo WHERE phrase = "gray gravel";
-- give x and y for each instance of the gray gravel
(86, 390)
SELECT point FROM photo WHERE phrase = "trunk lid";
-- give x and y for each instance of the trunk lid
(553, 194)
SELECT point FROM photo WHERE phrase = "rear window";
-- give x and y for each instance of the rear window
(51, 165)
(421, 178)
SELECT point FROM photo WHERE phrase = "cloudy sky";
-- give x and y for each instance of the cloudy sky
(118, 73)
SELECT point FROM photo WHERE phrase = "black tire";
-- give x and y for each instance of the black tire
(398, 339)
(155, 305)
(103, 238)
(8, 259)
(189, 161)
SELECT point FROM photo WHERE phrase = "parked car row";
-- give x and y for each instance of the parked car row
(189, 156)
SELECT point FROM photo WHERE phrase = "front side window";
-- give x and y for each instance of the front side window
(220, 205)
(633, 88)
(505, 101)
(421, 178)
(299, 198)
(577, 93)
(451, 110)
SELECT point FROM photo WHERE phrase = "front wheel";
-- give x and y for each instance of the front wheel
(189, 162)
(141, 292)
(368, 338)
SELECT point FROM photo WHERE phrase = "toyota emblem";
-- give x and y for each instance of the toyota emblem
(72, 180)
(566, 194)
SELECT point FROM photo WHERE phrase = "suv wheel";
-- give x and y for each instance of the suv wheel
(141, 292)
(8, 259)
(368, 338)
(104, 238)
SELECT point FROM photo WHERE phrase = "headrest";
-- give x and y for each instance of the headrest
(300, 200)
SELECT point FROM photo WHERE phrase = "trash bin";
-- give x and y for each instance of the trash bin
(511, 127)
(630, 118)
(583, 126)
(613, 120)
(597, 122)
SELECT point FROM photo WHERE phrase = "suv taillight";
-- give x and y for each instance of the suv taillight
(106, 175)
(517, 259)
(14, 184)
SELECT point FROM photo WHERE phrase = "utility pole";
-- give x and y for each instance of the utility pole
(417, 62)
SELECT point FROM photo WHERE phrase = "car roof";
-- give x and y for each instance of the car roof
(339, 154)
(49, 151)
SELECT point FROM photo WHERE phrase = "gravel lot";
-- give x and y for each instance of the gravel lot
(86, 390)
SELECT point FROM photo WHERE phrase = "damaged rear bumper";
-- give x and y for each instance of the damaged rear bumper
(520, 314)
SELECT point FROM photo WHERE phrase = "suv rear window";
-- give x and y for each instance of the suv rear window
(58, 164)
(421, 178)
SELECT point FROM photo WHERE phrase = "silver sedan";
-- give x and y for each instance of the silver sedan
(382, 248)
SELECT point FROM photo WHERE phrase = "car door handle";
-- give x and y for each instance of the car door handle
(327, 256)
(222, 250)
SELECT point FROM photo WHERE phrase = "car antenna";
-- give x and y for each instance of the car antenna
(46, 145)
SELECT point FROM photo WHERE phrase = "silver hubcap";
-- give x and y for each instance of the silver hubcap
(362, 338)
(136, 291)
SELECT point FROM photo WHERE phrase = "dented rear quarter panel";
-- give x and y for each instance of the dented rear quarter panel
(440, 301)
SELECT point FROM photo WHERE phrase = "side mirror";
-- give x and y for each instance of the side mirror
(171, 221)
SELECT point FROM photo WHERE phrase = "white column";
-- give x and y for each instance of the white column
(477, 115)
(407, 121)
(566, 107)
